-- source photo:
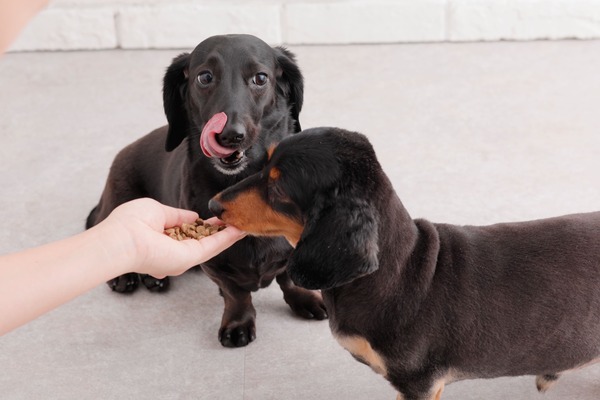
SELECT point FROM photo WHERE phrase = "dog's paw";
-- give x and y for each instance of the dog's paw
(156, 285)
(306, 303)
(125, 283)
(237, 335)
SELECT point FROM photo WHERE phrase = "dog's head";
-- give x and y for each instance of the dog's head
(318, 189)
(235, 95)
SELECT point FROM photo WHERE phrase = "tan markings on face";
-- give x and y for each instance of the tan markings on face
(250, 213)
(274, 173)
(361, 348)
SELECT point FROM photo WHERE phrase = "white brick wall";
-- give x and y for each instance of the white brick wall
(69, 29)
(366, 21)
(184, 25)
(523, 19)
(140, 24)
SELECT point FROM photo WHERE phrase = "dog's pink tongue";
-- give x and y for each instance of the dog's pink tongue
(208, 138)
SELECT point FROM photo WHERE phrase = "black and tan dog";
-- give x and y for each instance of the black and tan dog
(424, 304)
(226, 102)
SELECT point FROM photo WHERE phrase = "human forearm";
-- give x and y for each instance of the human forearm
(37, 280)
(130, 239)
(14, 15)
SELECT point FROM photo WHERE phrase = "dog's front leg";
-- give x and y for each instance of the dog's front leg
(126, 283)
(306, 303)
(238, 323)
(437, 395)
(433, 393)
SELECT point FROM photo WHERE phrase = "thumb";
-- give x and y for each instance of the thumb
(206, 248)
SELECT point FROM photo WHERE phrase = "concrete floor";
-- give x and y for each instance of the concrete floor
(469, 134)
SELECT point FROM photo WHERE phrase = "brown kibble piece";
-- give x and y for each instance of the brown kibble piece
(198, 230)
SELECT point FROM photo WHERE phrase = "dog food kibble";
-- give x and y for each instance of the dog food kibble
(197, 230)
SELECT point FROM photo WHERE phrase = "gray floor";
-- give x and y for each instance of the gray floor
(469, 134)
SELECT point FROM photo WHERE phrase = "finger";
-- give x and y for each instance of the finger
(210, 246)
(232, 230)
(177, 216)
(214, 221)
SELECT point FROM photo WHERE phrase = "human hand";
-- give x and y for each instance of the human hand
(135, 229)
(130, 239)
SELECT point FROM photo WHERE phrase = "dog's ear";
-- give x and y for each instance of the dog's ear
(174, 93)
(290, 83)
(339, 244)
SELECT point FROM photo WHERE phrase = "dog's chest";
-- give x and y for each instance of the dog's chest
(362, 350)
(358, 346)
(252, 263)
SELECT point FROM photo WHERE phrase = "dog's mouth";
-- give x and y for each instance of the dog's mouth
(208, 138)
(228, 156)
(228, 160)
(234, 159)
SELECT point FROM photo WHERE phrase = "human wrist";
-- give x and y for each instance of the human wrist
(114, 246)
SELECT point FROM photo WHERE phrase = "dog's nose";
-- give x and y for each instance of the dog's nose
(215, 207)
(232, 135)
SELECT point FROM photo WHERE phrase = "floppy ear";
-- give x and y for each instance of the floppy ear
(174, 92)
(291, 83)
(338, 245)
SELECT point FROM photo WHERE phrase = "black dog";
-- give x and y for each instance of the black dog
(226, 102)
(424, 304)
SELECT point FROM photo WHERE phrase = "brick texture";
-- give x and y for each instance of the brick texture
(141, 24)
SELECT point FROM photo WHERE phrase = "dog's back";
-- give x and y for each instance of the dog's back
(529, 298)
(424, 304)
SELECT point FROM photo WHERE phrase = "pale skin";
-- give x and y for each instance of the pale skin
(130, 239)
(14, 15)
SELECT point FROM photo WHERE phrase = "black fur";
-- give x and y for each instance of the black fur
(175, 85)
(169, 166)
(435, 302)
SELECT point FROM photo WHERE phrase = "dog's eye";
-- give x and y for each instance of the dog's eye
(260, 79)
(205, 78)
